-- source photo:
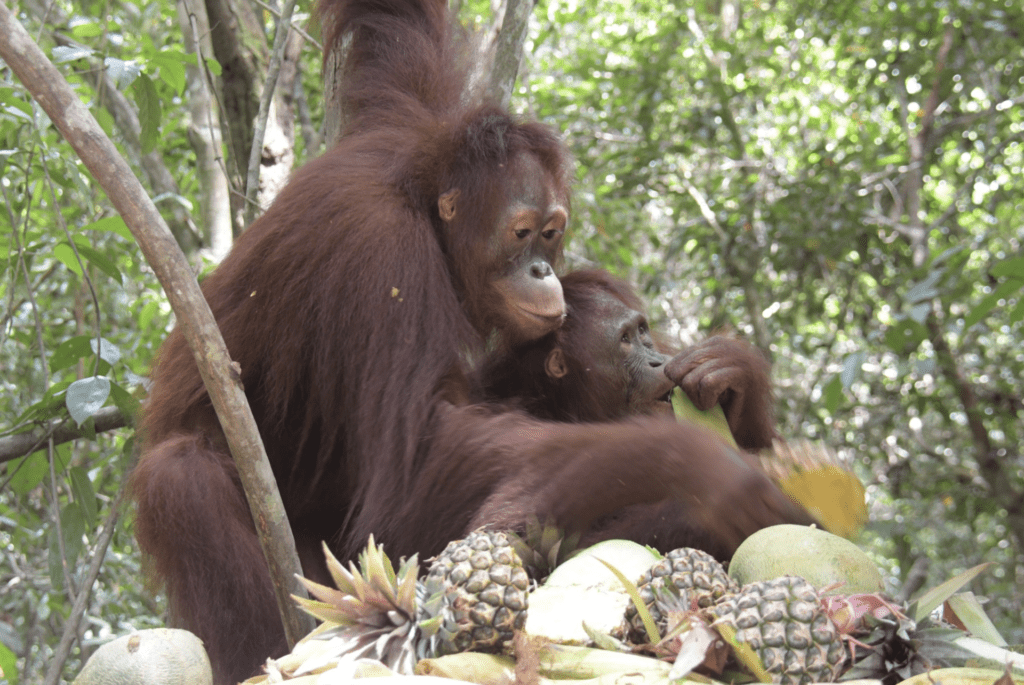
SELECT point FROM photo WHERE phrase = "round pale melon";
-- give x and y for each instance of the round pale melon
(820, 557)
(161, 656)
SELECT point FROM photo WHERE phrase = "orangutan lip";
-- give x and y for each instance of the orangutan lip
(667, 397)
(547, 318)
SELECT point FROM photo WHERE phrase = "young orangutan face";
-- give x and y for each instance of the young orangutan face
(622, 358)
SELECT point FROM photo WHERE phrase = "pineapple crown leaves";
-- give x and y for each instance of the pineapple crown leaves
(933, 598)
(365, 594)
(901, 646)
(542, 547)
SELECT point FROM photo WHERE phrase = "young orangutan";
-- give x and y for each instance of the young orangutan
(605, 363)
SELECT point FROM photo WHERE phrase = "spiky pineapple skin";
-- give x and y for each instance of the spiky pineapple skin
(686, 576)
(483, 590)
(783, 622)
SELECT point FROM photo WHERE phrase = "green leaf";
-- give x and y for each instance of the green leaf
(66, 255)
(87, 30)
(1013, 267)
(905, 336)
(991, 301)
(113, 224)
(73, 528)
(8, 664)
(27, 472)
(832, 394)
(124, 400)
(743, 652)
(1017, 313)
(713, 418)
(101, 262)
(122, 72)
(148, 102)
(70, 351)
(214, 66)
(852, 368)
(69, 53)
(82, 488)
(970, 612)
(172, 69)
(109, 352)
(925, 290)
(146, 315)
(933, 598)
(85, 397)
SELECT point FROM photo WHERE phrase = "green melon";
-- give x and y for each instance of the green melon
(816, 555)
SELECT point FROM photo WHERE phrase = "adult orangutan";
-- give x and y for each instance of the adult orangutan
(354, 307)
(606, 363)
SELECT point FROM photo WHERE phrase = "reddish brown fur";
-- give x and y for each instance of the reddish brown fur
(586, 392)
(590, 393)
(718, 369)
(352, 309)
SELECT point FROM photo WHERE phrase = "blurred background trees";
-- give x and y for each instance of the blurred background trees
(839, 182)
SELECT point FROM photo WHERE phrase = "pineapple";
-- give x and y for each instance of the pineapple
(477, 595)
(543, 547)
(372, 615)
(685, 578)
(783, 622)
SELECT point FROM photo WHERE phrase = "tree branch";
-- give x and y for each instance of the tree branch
(508, 50)
(20, 444)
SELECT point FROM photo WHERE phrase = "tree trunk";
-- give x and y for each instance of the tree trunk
(240, 47)
(204, 134)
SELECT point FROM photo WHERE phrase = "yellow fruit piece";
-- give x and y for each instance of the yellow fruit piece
(811, 474)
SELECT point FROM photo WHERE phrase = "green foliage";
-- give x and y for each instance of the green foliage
(772, 176)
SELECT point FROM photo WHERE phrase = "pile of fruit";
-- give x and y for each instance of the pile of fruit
(797, 605)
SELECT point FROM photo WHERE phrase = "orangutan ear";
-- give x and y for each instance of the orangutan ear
(555, 364)
(446, 204)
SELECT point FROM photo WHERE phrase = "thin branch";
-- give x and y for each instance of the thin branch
(61, 431)
(67, 640)
(252, 181)
(58, 524)
(294, 26)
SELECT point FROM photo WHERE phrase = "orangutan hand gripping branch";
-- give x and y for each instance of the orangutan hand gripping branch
(351, 307)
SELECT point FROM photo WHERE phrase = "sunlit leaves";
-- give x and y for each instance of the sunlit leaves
(150, 109)
(86, 396)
